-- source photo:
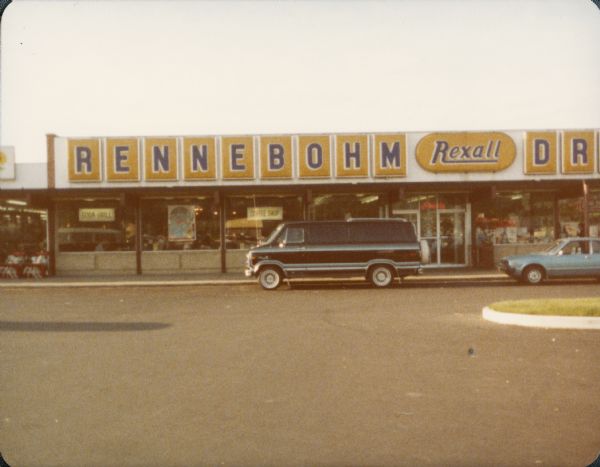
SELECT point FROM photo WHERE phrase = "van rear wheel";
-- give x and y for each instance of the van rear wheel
(381, 275)
(270, 278)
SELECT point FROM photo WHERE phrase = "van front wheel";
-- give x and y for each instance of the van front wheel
(270, 278)
(381, 276)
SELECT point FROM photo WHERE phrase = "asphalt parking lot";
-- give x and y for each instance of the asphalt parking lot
(317, 374)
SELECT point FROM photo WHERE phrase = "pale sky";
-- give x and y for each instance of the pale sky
(111, 68)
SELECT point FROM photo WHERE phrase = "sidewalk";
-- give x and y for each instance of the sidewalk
(230, 278)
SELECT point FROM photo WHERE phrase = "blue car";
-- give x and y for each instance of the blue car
(567, 257)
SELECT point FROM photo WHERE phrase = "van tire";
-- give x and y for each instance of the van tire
(270, 277)
(381, 275)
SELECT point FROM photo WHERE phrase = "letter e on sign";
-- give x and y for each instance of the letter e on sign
(84, 160)
(122, 160)
(237, 154)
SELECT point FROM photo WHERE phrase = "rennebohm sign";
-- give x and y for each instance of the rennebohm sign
(325, 158)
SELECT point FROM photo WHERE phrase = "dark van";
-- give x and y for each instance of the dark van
(379, 249)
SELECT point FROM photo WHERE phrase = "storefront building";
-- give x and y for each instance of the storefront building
(195, 204)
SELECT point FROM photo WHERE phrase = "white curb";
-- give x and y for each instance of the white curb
(541, 321)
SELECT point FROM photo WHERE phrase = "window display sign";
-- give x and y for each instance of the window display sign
(182, 223)
(96, 215)
(265, 213)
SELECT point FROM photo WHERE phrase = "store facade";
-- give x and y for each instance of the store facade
(162, 205)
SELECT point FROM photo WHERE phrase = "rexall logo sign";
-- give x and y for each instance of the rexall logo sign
(7, 163)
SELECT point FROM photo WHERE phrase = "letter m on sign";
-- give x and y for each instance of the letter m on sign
(390, 155)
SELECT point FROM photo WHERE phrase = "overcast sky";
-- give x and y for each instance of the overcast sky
(104, 68)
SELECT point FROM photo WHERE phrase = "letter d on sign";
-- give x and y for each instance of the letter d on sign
(541, 152)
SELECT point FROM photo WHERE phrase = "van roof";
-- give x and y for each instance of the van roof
(354, 219)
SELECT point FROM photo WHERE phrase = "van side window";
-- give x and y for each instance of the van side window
(381, 232)
(294, 235)
(596, 247)
(328, 233)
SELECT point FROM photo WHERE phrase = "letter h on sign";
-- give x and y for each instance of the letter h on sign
(352, 156)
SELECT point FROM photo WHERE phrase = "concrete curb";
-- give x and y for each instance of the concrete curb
(541, 321)
(150, 282)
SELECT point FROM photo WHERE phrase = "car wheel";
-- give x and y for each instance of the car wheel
(381, 276)
(270, 278)
(533, 275)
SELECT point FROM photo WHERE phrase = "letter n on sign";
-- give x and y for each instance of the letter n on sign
(160, 159)
(199, 158)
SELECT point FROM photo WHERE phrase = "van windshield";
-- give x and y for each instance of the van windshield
(273, 235)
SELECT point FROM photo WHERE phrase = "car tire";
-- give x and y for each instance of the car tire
(270, 277)
(381, 276)
(533, 275)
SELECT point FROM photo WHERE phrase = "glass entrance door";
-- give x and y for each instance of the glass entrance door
(451, 237)
(441, 221)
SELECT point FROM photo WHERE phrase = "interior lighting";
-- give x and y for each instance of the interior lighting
(16, 202)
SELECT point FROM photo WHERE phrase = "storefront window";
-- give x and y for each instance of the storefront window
(251, 219)
(94, 225)
(180, 224)
(571, 217)
(515, 217)
(347, 205)
(22, 229)
(594, 213)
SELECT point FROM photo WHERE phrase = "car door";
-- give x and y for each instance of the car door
(572, 259)
(594, 258)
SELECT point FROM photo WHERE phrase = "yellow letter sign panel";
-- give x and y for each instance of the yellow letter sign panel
(84, 160)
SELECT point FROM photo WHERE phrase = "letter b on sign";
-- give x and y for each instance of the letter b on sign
(276, 157)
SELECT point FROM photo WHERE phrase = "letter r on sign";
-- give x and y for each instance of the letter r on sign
(83, 160)
(579, 151)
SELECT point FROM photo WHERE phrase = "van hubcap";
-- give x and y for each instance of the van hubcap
(382, 276)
